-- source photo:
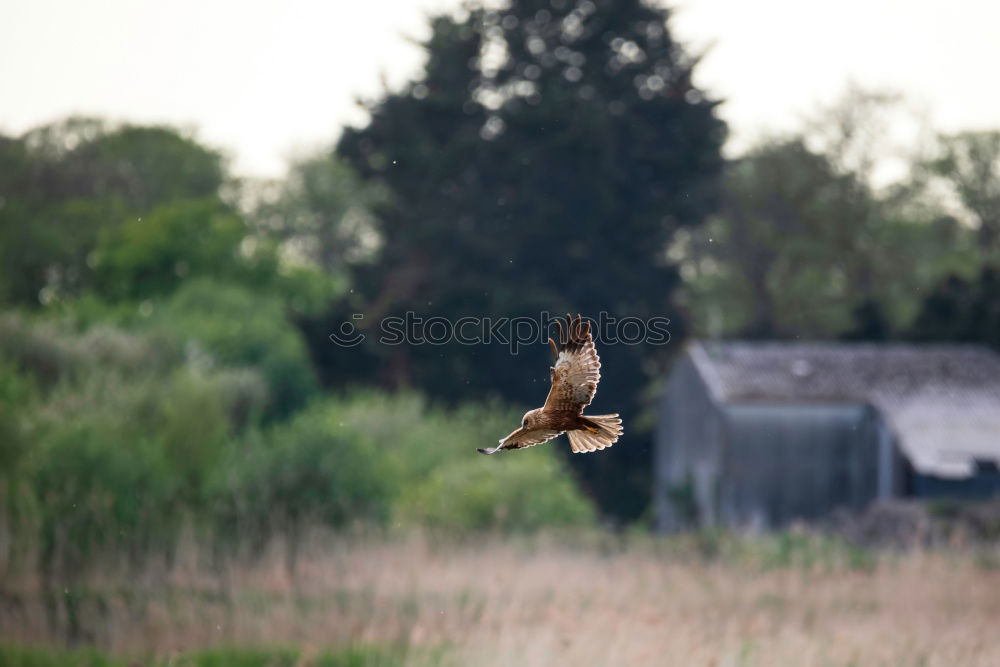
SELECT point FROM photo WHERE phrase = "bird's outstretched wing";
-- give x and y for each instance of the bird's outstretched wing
(522, 438)
(577, 368)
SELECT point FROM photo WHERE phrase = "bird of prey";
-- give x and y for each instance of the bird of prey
(575, 375)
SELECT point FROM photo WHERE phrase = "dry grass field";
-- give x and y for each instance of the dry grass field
(787, 600)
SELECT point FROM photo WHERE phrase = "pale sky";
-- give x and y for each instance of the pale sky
(266, 79)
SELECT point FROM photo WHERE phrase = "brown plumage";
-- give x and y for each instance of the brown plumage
(575, 375)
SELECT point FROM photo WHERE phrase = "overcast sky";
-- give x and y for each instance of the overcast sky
(266, 79)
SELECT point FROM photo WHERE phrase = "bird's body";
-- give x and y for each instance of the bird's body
(559, 420)
(574, 376)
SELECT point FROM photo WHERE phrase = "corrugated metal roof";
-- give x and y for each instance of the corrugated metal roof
(942, 402)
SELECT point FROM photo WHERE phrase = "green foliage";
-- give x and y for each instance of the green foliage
(767, 256)
(418, 437)
(801, 248)
(36, 350)
(153, 254)
(113, 440)
(100, 485)
(321, 211)
(244, 395)
(969, 162)
(305, 290)
(528, 493)
(49, 355)
(153, 375)
(541, 139)
(65, 185)
(121, 463)
(143, 166)
(227, 324)
(189, 420)
(486, 174)
(313, 470)
(16, 392)
(962, 310)
(369, 458)
(13, 655)
(45, 248)
(108, 440)
(443, 486)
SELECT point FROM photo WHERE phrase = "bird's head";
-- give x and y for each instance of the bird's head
(530, 419)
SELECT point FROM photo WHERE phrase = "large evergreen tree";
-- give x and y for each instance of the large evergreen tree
(541, 162)
(962, 310)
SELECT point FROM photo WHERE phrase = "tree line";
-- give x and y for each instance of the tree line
(551, 156)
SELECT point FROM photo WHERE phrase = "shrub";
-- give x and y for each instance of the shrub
(16, 393)
(121, 463)
(37, 349)
(186, 416)
(99, 487)
(244, 396)
(443, 482)
(420, 437)
(528, 493)
(232, 326)
(104, 348)
(51, 354)
(18, 509)
(311, 469)
(369, 457)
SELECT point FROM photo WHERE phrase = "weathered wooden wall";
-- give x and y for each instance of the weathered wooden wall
(788, 462)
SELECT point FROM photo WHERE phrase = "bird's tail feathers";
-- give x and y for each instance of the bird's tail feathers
(601, 431)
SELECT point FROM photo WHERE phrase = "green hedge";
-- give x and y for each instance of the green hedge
(101, 451)
(374, 458)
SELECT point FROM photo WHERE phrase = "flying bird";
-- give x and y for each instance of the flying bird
(574, 376)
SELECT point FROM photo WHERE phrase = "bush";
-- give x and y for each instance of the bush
(99, 487)
(118, 463)
(445, 483)
(311, 469)
(38, 350)
(16, 393)
(109, 441)
(51, 354)
(418, 436)
(18, 508)
(232, 326)
(244, 395)
(528, 493)
(370, 457)
(104, 348)
(186, 416)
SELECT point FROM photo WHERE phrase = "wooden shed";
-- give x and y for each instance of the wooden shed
(760, 434)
